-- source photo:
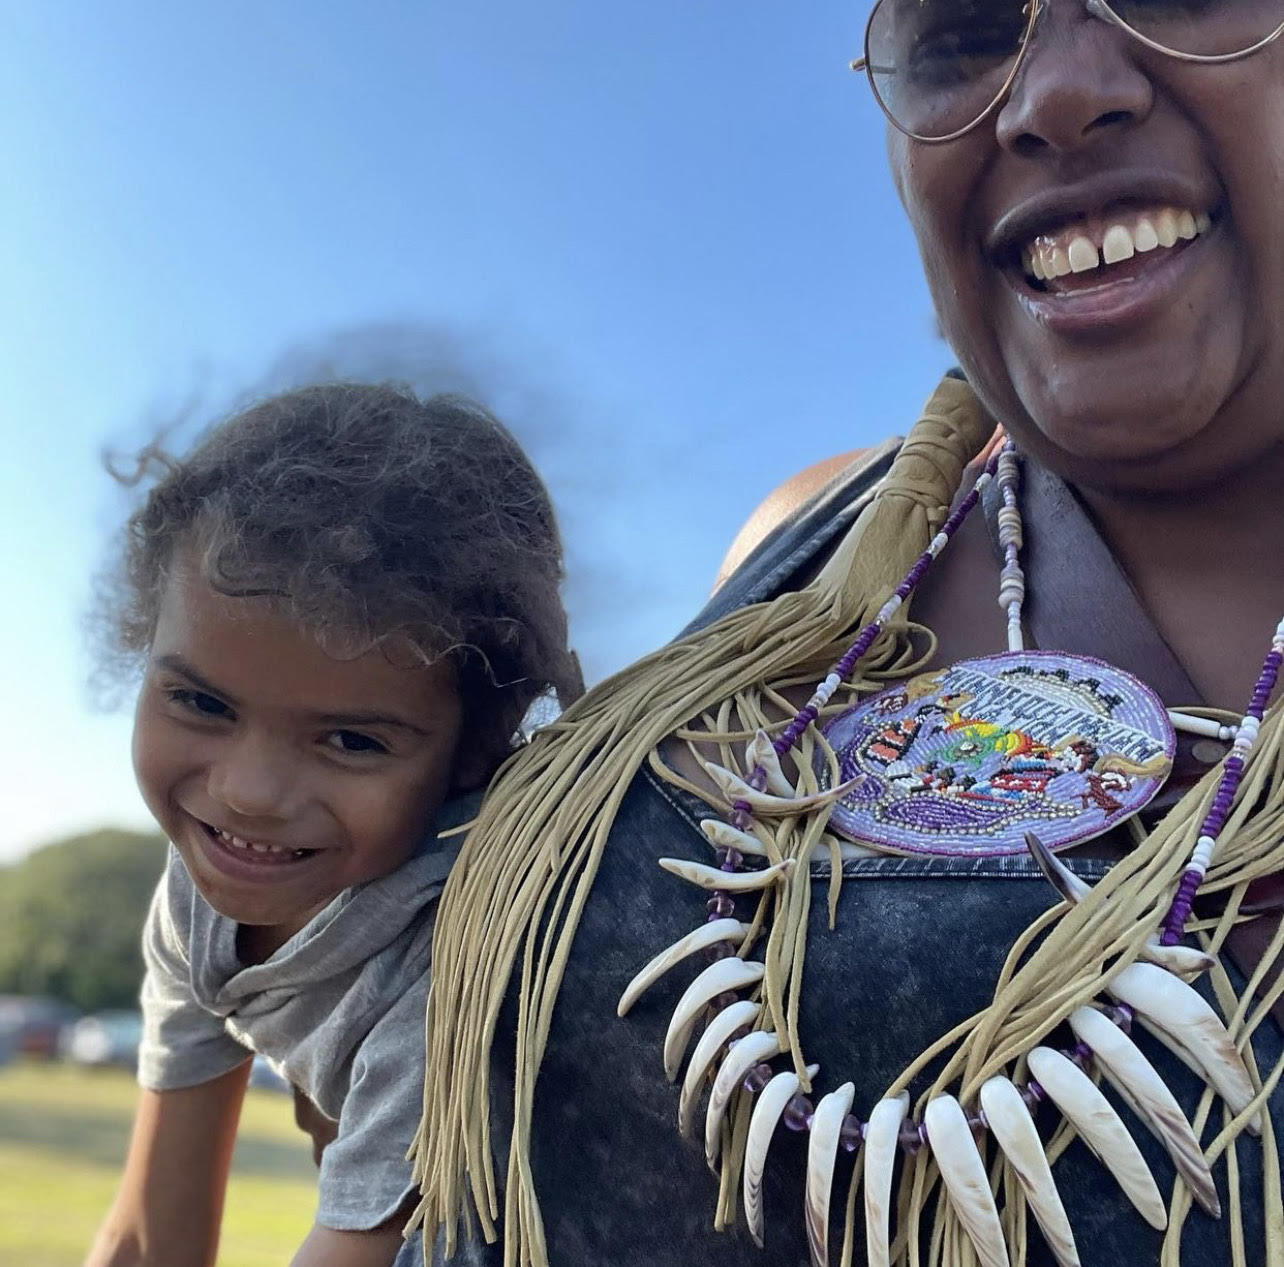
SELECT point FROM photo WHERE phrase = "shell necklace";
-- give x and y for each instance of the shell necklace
(1022, 750)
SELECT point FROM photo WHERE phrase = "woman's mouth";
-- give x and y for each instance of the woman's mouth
(1100, 251)
(1096, 276)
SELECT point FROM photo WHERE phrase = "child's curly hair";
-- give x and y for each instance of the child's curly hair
(377, 519)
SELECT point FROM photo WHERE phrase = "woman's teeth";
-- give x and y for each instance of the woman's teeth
(1082, 248)
(251, 846)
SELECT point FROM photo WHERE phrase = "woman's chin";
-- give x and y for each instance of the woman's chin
(1125, 436)
(1133, 455)
(1087, 425)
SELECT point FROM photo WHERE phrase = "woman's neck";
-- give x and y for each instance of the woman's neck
(1209, 566)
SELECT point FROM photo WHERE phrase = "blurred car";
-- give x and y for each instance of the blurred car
(106, 1038)
(32, 1025)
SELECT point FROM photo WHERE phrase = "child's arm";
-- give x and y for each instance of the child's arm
(326, 1247)
(167, 1211)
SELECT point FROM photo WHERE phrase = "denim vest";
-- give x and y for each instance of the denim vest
(918, 946)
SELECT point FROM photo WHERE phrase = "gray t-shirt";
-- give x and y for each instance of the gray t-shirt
(339, 1010)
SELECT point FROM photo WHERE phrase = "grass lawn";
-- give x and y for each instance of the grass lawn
(63, 1133)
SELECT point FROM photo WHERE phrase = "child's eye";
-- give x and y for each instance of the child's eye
(198, 702)
(353, 741)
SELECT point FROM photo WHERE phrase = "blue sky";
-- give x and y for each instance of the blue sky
(659, 239)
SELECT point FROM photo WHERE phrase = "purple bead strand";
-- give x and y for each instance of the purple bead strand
(1232, 775)
(865, 639)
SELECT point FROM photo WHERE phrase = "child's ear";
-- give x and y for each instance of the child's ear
(474, 764)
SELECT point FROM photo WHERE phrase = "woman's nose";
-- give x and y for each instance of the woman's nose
(1081, 79)
(253, 779)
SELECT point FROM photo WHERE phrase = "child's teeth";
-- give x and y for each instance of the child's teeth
(254, 847)
(1117, 245)
(1144, 237)
(1083, 255)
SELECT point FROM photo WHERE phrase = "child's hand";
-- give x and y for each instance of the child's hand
(170, 1203)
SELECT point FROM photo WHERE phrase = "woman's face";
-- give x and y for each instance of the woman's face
(1159, 371)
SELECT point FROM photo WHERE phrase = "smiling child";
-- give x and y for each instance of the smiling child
(344, 600)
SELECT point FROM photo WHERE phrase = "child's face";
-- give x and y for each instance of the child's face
(281, 774)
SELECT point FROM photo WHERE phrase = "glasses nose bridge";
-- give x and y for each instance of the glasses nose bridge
(1095, 8)
(1099, 9)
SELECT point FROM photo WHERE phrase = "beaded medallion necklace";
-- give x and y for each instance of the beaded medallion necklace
(526, 874)
(1090, 733)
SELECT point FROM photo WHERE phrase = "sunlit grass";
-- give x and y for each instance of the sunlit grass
(63, 1134)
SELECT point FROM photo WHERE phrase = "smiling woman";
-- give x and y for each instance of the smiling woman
(1095, 198)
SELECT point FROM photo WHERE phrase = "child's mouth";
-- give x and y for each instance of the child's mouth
(255, 852)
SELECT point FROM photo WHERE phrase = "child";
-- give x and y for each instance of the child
(345, 599)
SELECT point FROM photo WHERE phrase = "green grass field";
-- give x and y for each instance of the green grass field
(63, 1133)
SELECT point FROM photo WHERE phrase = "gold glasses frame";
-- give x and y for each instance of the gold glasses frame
(1034, 8)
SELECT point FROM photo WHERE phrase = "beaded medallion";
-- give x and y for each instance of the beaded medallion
(964, 761)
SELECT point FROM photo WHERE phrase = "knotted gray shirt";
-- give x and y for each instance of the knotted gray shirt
(338, 1010)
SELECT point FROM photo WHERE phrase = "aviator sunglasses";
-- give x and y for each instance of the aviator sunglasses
(940, 67)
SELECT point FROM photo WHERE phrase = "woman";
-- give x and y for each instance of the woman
(1094, 189)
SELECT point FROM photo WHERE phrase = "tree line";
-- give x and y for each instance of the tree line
(71, 918)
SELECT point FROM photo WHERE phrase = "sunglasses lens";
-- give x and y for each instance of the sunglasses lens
(1203, 28)
(938, 65)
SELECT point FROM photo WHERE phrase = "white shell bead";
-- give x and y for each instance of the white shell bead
(1146, 1093)
(734, 788)
(760, 752)
(751, 1050)
(822, 1154)
(710, 934)
(716, 1035)
(714, 878)
(963, 1173)
(1091, 1114)
(882, 1133)
(718, 978)
(1207, 726)
(767, 1110)
(1185, 1023)
(1014, 1131)
(723, 836)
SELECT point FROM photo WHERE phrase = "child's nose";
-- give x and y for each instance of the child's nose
(253, 778)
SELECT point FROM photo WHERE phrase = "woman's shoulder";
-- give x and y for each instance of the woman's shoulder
(787, 499)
